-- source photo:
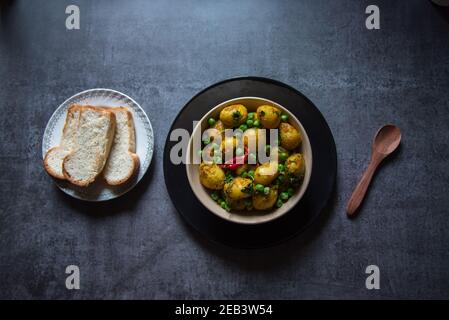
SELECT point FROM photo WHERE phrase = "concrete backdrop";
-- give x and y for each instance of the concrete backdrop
(163, 52)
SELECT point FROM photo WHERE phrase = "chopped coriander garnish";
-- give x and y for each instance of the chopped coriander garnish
(228, 178)
(248, 189)
(236, 115)
(214, 195)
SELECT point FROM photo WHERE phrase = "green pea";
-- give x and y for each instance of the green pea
(260, 187)
(225, 206)
(279, 203)
(284, 196)
(251, 174)
(239, 151)
(249, 123)
(215, 146)
(206, 140)
(243, 127)
(283, 156)
(281, 167)
(281, 179)
(244, 174)
(251, 115)
(252, 157)
(290, 191)
(256, 124)
(266, 190)
(284, 118)
(211, 121)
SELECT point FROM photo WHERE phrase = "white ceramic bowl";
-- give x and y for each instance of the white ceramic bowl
(254, 216)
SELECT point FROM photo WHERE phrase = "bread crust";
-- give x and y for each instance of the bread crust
(47, 166)
(131, 148)
(110, 139)
(70, 113)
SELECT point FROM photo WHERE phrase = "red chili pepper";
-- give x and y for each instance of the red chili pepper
(236, 162)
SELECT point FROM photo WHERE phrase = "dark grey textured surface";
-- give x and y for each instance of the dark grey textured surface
(163, 52)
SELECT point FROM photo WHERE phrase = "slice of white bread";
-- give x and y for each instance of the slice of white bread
(94, 138)
(123, 162)
(54, 156)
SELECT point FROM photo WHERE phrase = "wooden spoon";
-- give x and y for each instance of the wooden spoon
(387, 139)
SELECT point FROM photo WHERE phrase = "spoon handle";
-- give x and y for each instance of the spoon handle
(360, 190)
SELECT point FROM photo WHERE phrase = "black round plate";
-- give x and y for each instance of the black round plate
(296, 220)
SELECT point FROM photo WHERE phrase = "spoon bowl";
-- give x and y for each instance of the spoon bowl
(387, 139)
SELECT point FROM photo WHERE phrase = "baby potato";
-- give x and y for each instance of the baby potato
(238, 204)
(269, 116)
(251, 138)
(266, 173)
(263, 201)
(234, 115)
(278, 154)
(228, 145)
(290, 137)
(295, 165)
(212, 176)
(238, 188)
(219, 126)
